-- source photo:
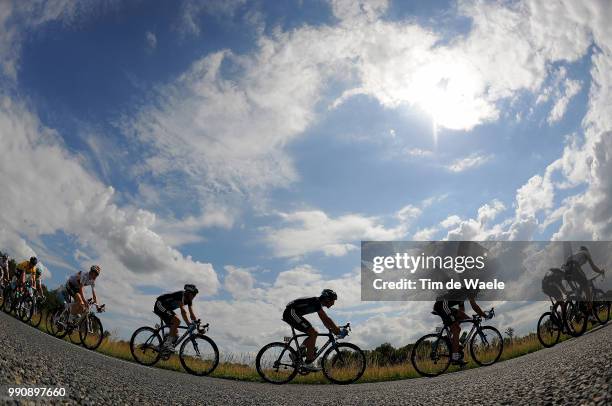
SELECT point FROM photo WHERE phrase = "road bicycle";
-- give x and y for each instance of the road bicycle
(198, 353)
(601, 302)
(27, 306)
(431, 354)
(564, 317)
(341, 363)
(88, 325)
(571, 316)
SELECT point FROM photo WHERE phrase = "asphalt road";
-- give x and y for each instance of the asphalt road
(578, 371)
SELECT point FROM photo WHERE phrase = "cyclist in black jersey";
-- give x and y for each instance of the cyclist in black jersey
(451, 311)
(294, 316)
(165, 306)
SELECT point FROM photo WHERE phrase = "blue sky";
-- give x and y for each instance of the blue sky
(249, 146)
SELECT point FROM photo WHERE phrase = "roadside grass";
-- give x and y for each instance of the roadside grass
(240, 366)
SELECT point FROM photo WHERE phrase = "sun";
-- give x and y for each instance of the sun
(452, 93)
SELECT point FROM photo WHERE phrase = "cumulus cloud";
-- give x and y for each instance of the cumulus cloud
(314, 231)
(78, 204)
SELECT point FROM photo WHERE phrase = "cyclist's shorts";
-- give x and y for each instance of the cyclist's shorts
(69, 293)
(574, 272)
(446, 310)
(163, 313)
(295, 320)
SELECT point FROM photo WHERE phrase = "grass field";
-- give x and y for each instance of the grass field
(241, 366)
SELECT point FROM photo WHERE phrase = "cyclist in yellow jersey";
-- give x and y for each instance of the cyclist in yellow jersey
(26, 269)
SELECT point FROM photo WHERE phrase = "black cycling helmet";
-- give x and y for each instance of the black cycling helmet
(33, 261)
(583, 248)
(328, 294)
(189, 288)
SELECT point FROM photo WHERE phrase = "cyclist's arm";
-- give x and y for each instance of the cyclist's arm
(593, 266)
(191, 313)
(476, 308)
(93, 295)
(184, 314)
(327, 322)
(81, 294)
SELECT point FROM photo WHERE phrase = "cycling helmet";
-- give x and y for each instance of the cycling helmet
(328, 294)
(33, 261)
(583, 248)
(96, 269)
(189, 288)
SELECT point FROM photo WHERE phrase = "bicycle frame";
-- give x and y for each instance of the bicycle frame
(163, 327)
(288, 340)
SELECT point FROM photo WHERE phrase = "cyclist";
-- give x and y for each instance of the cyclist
(552, 284)
(4, 270)
(165, 306)
(23, 269)
(38, 283)
(294, 316)
(453, 311)
(574, 273)
(74, 290)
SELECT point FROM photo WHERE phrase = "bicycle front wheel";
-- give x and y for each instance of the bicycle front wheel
(91, 332)
(144, 346)
(344, 363)
(486, 346)
(549, 330)
(37, 316)
(431, 355)
(199, 355)
(601, 310)
(276, 363)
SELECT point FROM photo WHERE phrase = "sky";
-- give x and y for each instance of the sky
(249, 146)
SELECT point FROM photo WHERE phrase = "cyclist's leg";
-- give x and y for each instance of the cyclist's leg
(301, 324)
(170, 319)
(448, 316)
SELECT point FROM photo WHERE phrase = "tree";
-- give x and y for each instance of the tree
(510, 332)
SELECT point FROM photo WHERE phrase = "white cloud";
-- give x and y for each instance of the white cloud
(314, 231)
(151, 39)
(425, 234)
(78, 204)
(19, 18)
(470, 162)
(192, 10)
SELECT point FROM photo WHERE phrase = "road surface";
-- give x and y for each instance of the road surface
(577, 371)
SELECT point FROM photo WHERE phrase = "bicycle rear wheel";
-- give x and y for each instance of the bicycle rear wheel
(431, 355)
(549, 330)
(60, 322)
(9, 298)
(25, 307)
(199, 355)
(91, 332)
(576, 318)
(486, 346)
(343, 364)
(144, 346)
(276, 363)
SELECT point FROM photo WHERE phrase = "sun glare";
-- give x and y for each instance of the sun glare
(451, 93)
